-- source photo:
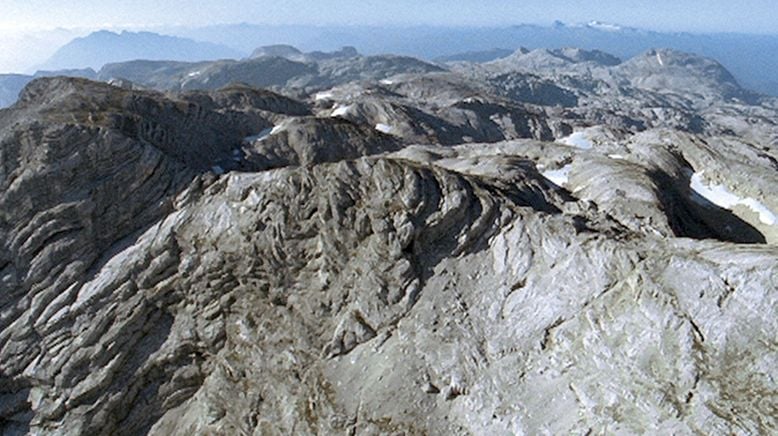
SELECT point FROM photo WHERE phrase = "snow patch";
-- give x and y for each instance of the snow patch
(267, 132)
(194, 74)
(604, 26)
(260, 136)
(341, 111)
(387, 82)
(277, 129)
(559, 177)
(578, 140)
(384, 128)
(659, 59)
(724, 198)
(616, 157)
(328, 95)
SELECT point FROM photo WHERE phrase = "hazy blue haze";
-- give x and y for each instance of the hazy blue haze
(684, 15)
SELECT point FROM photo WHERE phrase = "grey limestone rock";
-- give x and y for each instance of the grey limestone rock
(398, 250)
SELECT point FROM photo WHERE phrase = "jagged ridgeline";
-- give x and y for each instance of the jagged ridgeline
(557, 241)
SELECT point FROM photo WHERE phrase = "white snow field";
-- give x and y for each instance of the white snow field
(723, 197)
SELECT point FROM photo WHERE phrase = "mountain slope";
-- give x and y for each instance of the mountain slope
(400, 249)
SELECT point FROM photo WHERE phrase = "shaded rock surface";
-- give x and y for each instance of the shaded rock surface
(399, 249)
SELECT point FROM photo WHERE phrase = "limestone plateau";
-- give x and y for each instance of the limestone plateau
(555, 242)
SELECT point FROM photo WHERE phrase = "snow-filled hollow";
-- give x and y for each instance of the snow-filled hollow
(341, 111)
(265, 133)
(659, 59)
(559, 177)
(259, 136)
(577, 140)
(327, 95)
(726, 199)
(384, 128)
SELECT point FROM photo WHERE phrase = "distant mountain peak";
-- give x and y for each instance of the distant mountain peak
(294, 54)
(592, 23)
(578, 55)
(104, 46)
(562, 56)
(279, 50)
(600, 25)
(666, 57)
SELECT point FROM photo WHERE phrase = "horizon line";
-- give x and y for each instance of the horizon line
(136, 27)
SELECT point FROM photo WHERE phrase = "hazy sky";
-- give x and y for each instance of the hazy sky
(759, 16)
(27, 38)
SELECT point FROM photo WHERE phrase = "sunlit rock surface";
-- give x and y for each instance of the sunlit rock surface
(441, 257)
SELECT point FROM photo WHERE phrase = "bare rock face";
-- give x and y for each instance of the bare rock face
(85, 167)
(421, 254)
(664, 70)
(307, 141)
(435, 109)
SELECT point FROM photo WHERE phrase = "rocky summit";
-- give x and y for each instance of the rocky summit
(558, 241)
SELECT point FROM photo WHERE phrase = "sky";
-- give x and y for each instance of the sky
(31, 30)
(751, 16)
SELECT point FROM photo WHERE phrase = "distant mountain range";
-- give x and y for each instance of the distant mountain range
(84, 56)
(10, 85)
(753, 59)
(103, 47)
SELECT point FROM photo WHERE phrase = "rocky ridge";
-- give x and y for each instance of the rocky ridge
(468, 251)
